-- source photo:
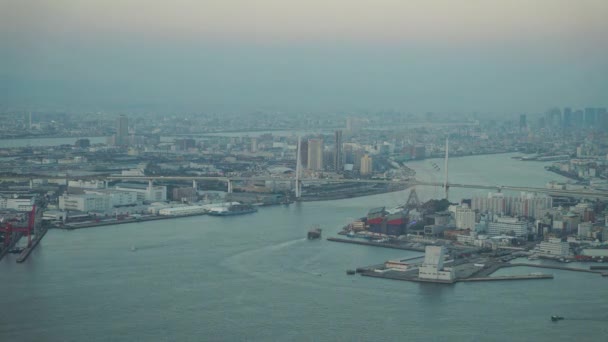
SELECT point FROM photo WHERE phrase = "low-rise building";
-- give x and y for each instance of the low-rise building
(84, 202)
(18, 203)
(148, 193)
(554, 247)
(509, 226)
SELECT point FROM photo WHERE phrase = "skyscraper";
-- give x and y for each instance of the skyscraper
(522, 122)
(122, 131)
(590, 117)
(366, 165)
(315, 154)
(338, 154)
(602, 117)
(567, 120)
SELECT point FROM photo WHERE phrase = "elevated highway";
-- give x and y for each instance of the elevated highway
(603, 195)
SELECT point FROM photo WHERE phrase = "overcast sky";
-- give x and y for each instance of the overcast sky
(507, 56)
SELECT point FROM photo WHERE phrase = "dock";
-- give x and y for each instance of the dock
(598, 267)
(512, 277)
(554, 267)
(376, 244)
(28, 250)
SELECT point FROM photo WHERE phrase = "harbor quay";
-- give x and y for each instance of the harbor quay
(445, 265)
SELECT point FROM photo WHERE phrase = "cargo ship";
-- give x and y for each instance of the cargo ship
(232, 209)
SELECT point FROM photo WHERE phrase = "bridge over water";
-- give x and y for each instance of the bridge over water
(603, 195)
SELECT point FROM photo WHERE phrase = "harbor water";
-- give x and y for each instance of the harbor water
(257, 277)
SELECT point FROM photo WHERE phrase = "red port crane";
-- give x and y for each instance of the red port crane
(8, 229)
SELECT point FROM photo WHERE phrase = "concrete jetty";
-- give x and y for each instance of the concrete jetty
(376, 244)
(26, 252)
(511, 277)
(598, 267)
(553, 267)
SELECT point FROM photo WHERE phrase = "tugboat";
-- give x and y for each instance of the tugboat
(314, 233)
(556, 318)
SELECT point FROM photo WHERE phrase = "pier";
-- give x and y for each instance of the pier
(574, 269)
(376, 244)
(598, 267)
(28, 250)
(512, 277)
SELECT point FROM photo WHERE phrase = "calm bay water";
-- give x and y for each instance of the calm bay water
(256, 277)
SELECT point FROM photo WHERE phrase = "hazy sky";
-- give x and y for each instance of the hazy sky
(505, 56)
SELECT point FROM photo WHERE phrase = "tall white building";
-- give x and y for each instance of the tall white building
(366, 165)
(526, 204)
(465, 218)
(315, 154)
(432, 268)
(585, 229)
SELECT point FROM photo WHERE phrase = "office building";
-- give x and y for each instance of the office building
(590, 117)
(338, 153)
(567, 119)
(122, 131)
(366, 165)
(554, 247)
(464, 217)
(522, 122)
(509, 226)
(526, 204)
(84, 202)
(315, 154)
(149, 193)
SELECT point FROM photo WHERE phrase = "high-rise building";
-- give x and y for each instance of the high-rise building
(122, 131)
(567, 119)
(522, 122)
(304, 153)
(465, 218)
(578, 118)
(338, 154)
(527, 204)
(366, 165)
(590, 117)
(602, 118)
(315, 154)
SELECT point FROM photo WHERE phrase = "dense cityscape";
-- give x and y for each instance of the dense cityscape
(303, 170)
(120, 180)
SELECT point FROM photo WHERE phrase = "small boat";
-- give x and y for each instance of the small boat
(133, 248)
(16, 250)
(351, 272)
(314, 233)
(556, 318)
